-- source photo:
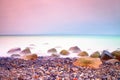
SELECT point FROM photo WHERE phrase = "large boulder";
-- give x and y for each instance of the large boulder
(95, 55)
(14, 50)
(64, 52)
(106, 55)
(74, 49)
(88, 62)
(30, 57)
(52, 50)
(26, 51)
(116, 54)
(83, 53)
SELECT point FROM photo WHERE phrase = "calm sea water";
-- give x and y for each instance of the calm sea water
(40, 44)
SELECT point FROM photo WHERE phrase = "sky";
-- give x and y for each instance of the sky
(24, 17)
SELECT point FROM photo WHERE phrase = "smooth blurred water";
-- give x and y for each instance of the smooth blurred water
(40, 44)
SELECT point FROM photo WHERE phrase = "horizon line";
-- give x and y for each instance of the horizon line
(59, 34)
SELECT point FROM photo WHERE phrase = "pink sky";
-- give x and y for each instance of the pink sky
(55, 16)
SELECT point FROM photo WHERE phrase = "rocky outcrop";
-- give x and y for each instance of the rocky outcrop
(64, 52)
(74, 49)
(106, 55)
(83, 53)
(95, 55)
(52, 50)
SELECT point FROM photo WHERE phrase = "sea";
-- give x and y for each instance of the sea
(40, 44)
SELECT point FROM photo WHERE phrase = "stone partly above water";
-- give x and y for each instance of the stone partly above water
(74, 49)
(83, 53)
(95, 55)
(106, 55)
(64, 52)
(52, 50)
(14, 50)
(26, 51)
(116, 54)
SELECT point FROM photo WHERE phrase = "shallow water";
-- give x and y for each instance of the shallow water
(40, 44)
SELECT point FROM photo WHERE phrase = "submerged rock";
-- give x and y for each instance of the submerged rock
(64, 52)
(26, 51)
(106, 55)
(14, 50)
(83, 53)
(52, 50)
(74, 49)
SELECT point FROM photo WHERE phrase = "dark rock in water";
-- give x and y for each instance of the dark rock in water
(95, 55)
(14, 50)
(53, 50)
(64, 52)
(75, 49)
(106, 55)
(15, 56)
(116, 54)
(26, 51)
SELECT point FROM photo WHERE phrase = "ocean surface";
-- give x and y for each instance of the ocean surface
(40, 44)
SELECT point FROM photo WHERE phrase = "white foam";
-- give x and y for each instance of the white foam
(38, 44)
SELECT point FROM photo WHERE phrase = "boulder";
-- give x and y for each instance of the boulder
(106, 55)
(14, 50)
(74, 49)
(64, 52)
(26, 51)
(83, 53)
(15, 56)
(88, 62)
(116, 54)
(95, 55)
(52, 50)
(30, 57)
